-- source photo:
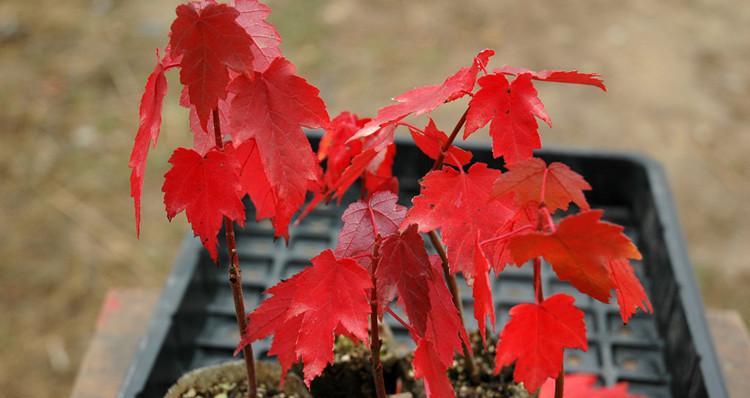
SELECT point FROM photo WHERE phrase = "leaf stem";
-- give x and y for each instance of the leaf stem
(560, 382)
(377, 366)
(235, 280)
(506, 235)
(441, 156)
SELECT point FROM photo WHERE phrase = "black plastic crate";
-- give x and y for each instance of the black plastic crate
(667, 354)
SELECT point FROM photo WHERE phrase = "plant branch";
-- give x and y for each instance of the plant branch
(235, 280)
(441, 156)
(560, 383)
(377, 366)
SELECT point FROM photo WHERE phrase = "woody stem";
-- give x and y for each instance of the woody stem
(450, 280)
(377, 366)
(235, 280)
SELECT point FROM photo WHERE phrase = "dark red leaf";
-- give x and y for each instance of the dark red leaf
(536, 336)
(253, 179)
(208, 40)
(148, 133)
(207, 188)
(404, 267)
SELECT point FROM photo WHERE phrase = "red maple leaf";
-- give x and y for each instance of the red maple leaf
(536, 336)
(559, 76)
(404, 268)
(431, 141)
(425, 99)
(272, 107)
(208, 40)
(511, 109)
(428, 366)
(307, 311)
(555, 185)
(148, 133)
(207, 188)
(484, 305)
(334, 145)
(265, 38)
(579, 251)
(366, 220)
(629, 291)
(524, 218)
(584, 385)
(459, 204)
(253, 178)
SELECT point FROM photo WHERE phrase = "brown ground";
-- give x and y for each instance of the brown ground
(71, 74)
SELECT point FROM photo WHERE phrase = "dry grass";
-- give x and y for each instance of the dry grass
(71, 75)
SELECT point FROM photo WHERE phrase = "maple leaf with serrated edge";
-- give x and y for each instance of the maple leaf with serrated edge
(425, 99)
(536, 337)
(208, 40)
(431, 141)
(305, 312)
(579, 251)
(557, 76)
(404, 268)
(265, 38)
(363, 221)
(272, 107)
(207, 189)
(459, 204)
(510, 108)
(584, 385)
(525, 217)
(148, 133)
(629, 291)
(528, 178)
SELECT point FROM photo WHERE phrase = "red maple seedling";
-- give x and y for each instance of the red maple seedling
(247, 110)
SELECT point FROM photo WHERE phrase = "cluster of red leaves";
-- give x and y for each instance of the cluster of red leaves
(333, 297)
(230, 66)
(247, 108)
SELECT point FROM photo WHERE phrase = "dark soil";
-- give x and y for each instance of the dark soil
(236, 390)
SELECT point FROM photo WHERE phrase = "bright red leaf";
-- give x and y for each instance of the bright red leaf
(428, 366)
(431, 142)
(459, 204)
(265, 38)
(207, 188)
(272, 107)
(584, 385)
(511, 108)
(524, 218)
(404, 268)
(559, 76)
(630, 292)
(148, 133)
(579, 251)
(306, 312)
(365, 220)
(253, 178)
(536, 337)
(484, 305)
(528, 178)
(425, 99)
(208, 40)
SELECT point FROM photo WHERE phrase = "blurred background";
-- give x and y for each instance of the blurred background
(71, 75)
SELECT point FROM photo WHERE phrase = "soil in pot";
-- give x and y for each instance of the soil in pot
(350, 376)
(488, 385)
(228, 380)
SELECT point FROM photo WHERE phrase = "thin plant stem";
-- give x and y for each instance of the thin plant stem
(450, 280)
(377, 366)
(560, 382)
(235, 280)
